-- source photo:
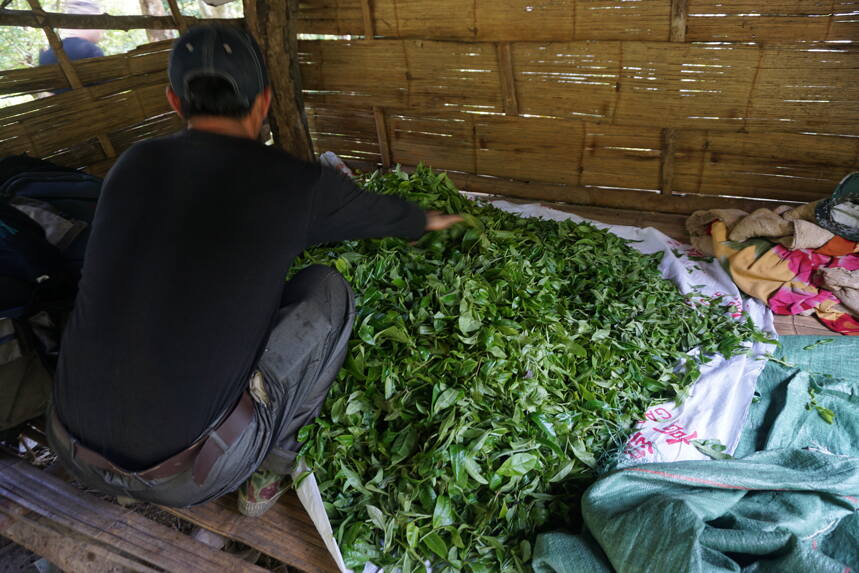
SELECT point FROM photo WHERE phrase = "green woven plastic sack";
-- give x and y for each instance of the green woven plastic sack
(791, 507)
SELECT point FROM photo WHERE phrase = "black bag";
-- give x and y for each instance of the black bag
(38, 281)
(33, 283)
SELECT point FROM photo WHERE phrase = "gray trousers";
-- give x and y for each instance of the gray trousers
(303, 355)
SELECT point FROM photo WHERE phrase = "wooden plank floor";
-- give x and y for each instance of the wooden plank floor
(284, 532)
(80, 532)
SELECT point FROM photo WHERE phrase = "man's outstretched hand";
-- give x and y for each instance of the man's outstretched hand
(436, 220)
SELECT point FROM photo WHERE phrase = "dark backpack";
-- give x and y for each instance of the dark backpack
(33, 279)
(38, 283)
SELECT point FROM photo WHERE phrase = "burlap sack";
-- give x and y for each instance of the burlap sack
(806, 235)
(698, 223)
(761, 223)
(803, 212)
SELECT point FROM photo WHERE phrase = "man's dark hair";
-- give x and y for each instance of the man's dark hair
(211, 95)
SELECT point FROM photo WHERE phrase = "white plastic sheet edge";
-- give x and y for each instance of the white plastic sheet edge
(717, 405)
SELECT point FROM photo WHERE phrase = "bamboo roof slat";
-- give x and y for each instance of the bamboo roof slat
(564, 20)
(68, 69)
(88, 155)
(773, 21)
(102, 21)
(149, 58)
(43, 126)
(80, 155)
(59, 121)
(493, 20)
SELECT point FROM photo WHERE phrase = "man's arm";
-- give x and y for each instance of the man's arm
(343, 211)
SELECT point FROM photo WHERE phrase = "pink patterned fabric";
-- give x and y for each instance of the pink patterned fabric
(849, 262)
(794, 298)
(803, 263)
(787, 300)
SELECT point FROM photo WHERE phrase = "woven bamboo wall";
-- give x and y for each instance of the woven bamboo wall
(124, 100)
(625, 103)
(649, 104)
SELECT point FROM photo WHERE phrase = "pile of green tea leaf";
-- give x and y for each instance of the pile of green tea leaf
(493, 364)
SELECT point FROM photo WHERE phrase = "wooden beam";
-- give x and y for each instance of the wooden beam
(367, 15)
(154, 8)
(666, 165)
(577, 195)
(29, 19)
(285, 531)
(672, 224)
(508, 79)
(378, 112)
(679, 15)
(275, 31)
(80, 532)
(177, 16)
(68, 69)
(382, 135)
(597, 197)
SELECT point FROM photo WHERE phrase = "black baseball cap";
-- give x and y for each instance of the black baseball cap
(218, 51)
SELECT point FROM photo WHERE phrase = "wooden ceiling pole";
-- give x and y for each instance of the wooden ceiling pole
(508, 79)
(679, 18)
(177, 16)
(68, 69)
(273, 24)
(378, 112)
(28, 19)
(677, 33)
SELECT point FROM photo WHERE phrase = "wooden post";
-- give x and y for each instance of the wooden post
(29, 19)
(378, 112)
(679, 14)
(177, 16)
(367, 14)
(508, 80)
(666, 165)
(272, 22)
(382, 135)
(68, 69)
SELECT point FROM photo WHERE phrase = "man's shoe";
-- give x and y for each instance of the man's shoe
(261, 492)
